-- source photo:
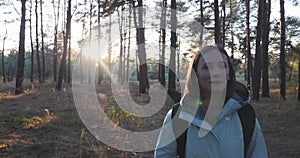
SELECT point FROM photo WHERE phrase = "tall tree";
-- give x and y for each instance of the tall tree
(37, 40)
(231, 44)
(100, 69)
(217, 22)
(109, 47)
(81, 43)
(128, 47)
(248, 38)
(282, 51)
(143, 75)
(265, 43)
(163, 48)
(42, 36)
(172, 69)
(55, 48)
(31, 41)
(257, 64)
(201, 21)
(21, 59)
(90, 39)
(69, 58)
(120, 22)
(124, 16)
(3, 70)
(223, 22)
(62, 68)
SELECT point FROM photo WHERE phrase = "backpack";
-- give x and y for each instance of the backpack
(246, 114)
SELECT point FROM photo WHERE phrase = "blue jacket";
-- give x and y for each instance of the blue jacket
(224, 139)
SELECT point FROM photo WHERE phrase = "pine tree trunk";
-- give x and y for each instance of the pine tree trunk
(55, 48)
(124, 44)
(248, 38)
(159, 54)
(224, 23)
(143, 74)
(31, 42)
(163, 51)
(21, 59)
(43, 50)
(81, 55)
(69, 58)
(109, 49)
(201, 22)
(120, 22)
(37, 41)
(217, 22)
(62, 68)
(90, 40)
(231, 30)
(100, 71)
(257, 64)
(172, 69)
(282, 51)
(128, 48)
(3, 69)
(265, 43)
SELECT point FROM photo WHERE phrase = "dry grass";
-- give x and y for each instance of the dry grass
(44, 123)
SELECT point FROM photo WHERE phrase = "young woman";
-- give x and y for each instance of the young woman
(213, 109)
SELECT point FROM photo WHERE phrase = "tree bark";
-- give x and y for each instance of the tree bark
(100, 70)
(62, 68)
(37, 41)
(163, 30)
(69, 58)
(265, 44)
(3, 69)
(109, 49)
(21, 59)
(128, 48)
(120, 22)
(172, 69)
(43, 50)
(248, 38)
(201, 22)
(55, 49)
(224, 22)
(282, 51)
(143, 82)
(217, 22)
(90, 40)
(257, 64)
(31, 42)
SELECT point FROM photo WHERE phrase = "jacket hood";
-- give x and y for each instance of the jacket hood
(192, 114)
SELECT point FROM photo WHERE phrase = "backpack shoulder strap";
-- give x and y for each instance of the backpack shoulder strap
(247, 117)
(179, 124)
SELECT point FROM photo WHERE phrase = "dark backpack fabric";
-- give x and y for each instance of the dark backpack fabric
(246, 114)
(179, 134)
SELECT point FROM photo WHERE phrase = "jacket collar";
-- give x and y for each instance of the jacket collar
(190, 112)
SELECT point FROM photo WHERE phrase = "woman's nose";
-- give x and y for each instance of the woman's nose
(218, 72)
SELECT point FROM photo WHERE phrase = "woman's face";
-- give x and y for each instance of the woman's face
(213, 71)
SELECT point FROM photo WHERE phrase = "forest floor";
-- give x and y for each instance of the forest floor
(43, 122)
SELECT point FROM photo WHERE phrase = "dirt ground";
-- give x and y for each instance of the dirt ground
(44, 123)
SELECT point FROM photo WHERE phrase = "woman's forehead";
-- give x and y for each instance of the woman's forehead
(213, 56)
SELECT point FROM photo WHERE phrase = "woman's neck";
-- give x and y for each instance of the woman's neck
(205, 103)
